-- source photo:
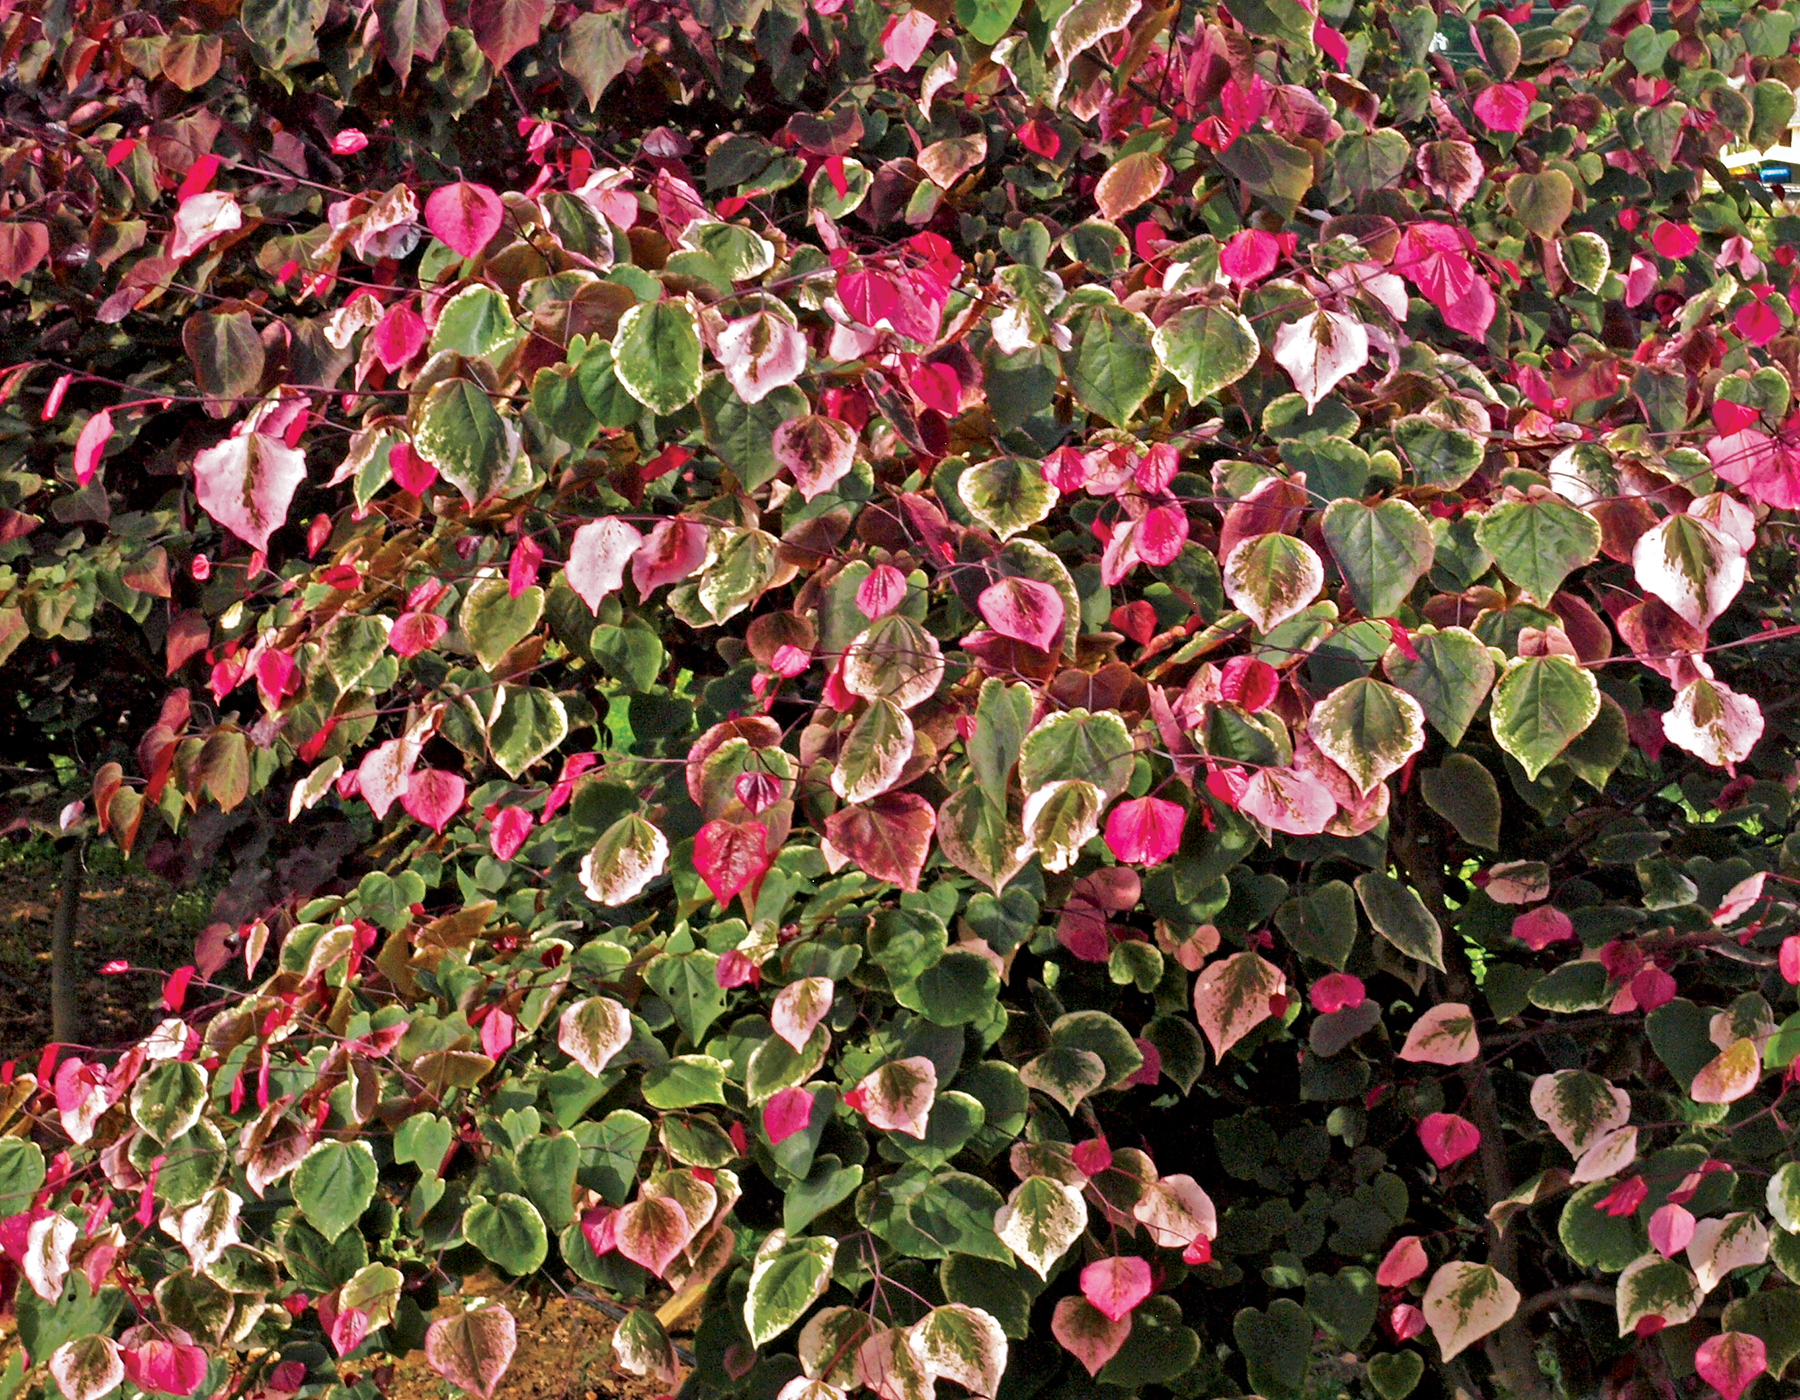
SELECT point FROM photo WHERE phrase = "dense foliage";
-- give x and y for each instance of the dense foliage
(1055, 699)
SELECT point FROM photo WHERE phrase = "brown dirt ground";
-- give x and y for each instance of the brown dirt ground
(125, 914)
(565, 1353)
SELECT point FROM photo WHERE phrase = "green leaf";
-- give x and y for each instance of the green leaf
(1273, 170)
(1343, 1303)
(1382, 549)
(1586, 259)
(1541, 704)
(1067, 1074)
(742, 434)
(1773, 1315)
(1451, 677)
(1112, 365)
(508, 1231)
(1463, 793)
(527, 724)
(1157, 1351)
(684, 1082)
(1277, 1347)
(980, 838)
(874, 752)
(1006, 494)
(828, 1185)
(285, 30)
(610, 1152)
(1002, 715)
(1538, 543)
(1595, 1239)
(21, 1172)
(1400, 916)
(1395, 1374)
(1207, 348)
(1542, 201)
(656, 355)
(471, 445)
(494, 621)
(1093, 747)
(596, 48)
(986, 20)
(687, 982)
(1439, 455)
(334, 1184)
(787, 1277)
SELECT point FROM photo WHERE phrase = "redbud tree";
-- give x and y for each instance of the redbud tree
(1057, 699)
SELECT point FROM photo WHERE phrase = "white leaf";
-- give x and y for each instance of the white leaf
(1319, 349)
(1465, 1302)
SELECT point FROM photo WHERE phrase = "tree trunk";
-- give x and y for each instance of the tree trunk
(65, 973)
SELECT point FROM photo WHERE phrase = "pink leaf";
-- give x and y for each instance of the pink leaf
(1502, 106)
(1404, 1263)
(1088, 1334)
(652, 1230)
(166, 1365)
(433, 797)
(1448, 1137)
(397, 337)
(1025, 610)
(246, 483)
(1116, 1286)
(1671, 1227)
(1285, 799)
(598, 554)
(669, 553)
(786, 1113)
(1092, 1156)
(1674, 241)
(511, 826)
(881, 592)
(522, 568)
(1433, 258)
(465, 216)
(413, 632)
(410, 471)
(905, 38)
(1730, 1361)
(897, 1097)
(1144, 830)
(472, 1350)
(1542, 926)
(1161, 534)
(1249, 256)
(1336, 991)
(91, 446)
(732, 856)
(1789, 959)
(798, 1009)
(1248, 683)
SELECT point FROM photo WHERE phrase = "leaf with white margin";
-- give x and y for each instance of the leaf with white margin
(1541, 706)
(1723, 1243)
(628, 856)
(1690, 566)
(799, 1007)
(897, 1097)
(1784, 1197)
(1088, 1334)
(1464, 1302)
(1006, 494)
(1320, 349)
(963, 1343)
(641, 1347)
(1713, 722)
(829, 1343)
(1740, 899)
(1728, 1076)
(1232, 996)
(210, 1225)
(48, 1244)
(1040, 1220)
(887, 1365)
(1578, 1107)
(1369, 729)
(874, 753)
(592, 1031)
(1518, 882)
(787, 1277)
(1607, 1157)
(1207, 348)
(1270, 578)
(894, 658)
(1444, 1035)
(1656, 1287)
(1288, 800)
(1062, 818)
(1176, 1211)
(87, 1367)
(806, 1388)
